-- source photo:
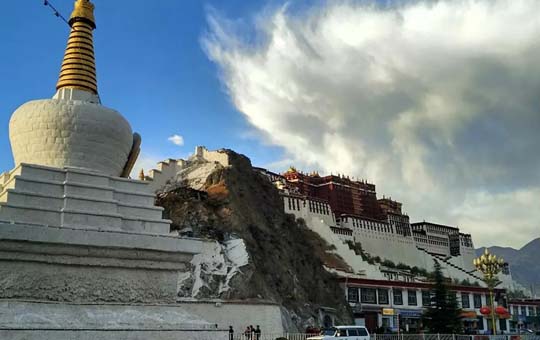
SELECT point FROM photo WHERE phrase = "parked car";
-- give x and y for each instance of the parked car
(343, 333)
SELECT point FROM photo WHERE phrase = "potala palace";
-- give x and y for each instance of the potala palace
(87, 253)
(387, 257)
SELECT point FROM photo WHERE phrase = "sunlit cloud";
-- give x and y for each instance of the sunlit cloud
(436, 102)
(176, 140)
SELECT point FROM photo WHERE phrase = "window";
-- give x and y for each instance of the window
(341, 333)
(383, 297)
(352, 332)
(531, 313)
(537, 311)
(368, 295)
(352, 294)
(426, 298)
(411, 298)
(480, 323)
(465, 302)
(477, 298)
(398, 297)
(502, 324)
(362, 332)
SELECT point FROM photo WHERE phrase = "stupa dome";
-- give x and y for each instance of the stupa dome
(73, 129)
(70, 133)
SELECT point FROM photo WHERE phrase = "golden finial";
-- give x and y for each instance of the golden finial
(84, 10)
(141, 175)
(78, 68)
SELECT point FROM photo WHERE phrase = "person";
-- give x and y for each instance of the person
(231, 333)
(258, 333)
(252, 332)
(247, 332)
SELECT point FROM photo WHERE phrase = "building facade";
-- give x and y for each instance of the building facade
(391, 305)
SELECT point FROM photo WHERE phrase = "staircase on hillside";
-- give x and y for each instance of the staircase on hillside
(445, 260)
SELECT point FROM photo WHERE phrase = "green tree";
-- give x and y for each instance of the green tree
(443, 314)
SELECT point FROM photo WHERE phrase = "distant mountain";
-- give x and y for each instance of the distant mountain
(524, 263)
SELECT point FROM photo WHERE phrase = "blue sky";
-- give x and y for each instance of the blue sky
(151, 68)
(436, 102)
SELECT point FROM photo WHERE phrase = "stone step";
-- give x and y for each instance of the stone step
(31, 200)
(16, 214)
(79, 199)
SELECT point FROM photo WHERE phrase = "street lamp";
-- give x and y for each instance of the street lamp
(489, 265)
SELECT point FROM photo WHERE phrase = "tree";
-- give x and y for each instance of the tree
(443, 314)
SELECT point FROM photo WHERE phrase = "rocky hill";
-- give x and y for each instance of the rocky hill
(524, 263)
(286, 260)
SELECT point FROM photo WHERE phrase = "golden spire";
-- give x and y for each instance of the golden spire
(78, 68)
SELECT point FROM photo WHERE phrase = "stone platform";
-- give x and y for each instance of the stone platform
(80, 199)
(79, 236)
(60, 321)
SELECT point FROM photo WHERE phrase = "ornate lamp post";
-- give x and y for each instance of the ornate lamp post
(489, 265)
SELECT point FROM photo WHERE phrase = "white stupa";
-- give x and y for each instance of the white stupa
(72, 154)
(73, 129)
(83, 248)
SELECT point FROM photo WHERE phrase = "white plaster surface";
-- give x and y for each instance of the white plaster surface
(74, 133)
(215, 266)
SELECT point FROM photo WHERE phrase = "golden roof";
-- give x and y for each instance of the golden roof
(291, 169)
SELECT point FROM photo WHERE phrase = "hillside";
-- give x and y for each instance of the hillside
(524, 263)
(285, 258)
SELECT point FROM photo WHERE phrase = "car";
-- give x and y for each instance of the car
(343, 333)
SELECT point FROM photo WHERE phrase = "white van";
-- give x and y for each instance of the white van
(343, 333)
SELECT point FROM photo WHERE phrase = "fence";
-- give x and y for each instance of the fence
(452, 337)
(273, 336)
(303, 336)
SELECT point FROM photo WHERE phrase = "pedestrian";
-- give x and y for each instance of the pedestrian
(247, 333)
(252, 335)
(231, 333)
(258, 333)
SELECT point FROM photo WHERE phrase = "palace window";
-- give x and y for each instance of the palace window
(383, 297)
(465, 302)
(477, 299)
(368, 295)
(480, 323)
(426, 298)
(398, 297)
(502, 324)
(531, 312)
(521, 310)
(352, 294)
(411, 298)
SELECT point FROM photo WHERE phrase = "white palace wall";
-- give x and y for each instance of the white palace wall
(377, 239)
(380, 239)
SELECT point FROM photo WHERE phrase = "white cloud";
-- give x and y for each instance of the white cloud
(176, 140)
(434, 101)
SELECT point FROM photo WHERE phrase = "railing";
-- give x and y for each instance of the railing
(453, 337)
(273, 336)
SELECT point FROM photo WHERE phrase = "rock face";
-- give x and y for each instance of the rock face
(286, 259)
